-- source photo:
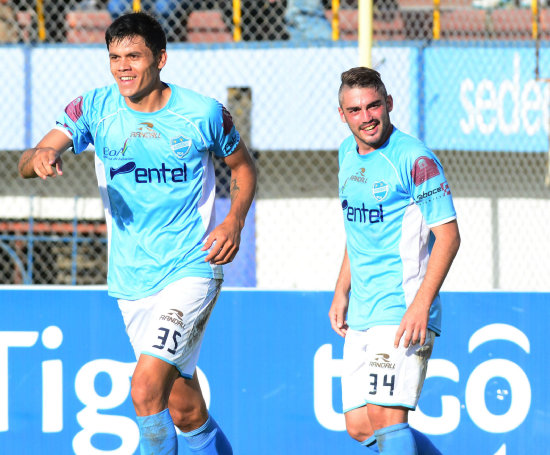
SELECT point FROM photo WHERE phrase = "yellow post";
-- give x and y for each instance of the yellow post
(237, 21)
(535, 19)
(136, 6)
(40, 18)
(335, 22)
(437, 20)
(365, 32)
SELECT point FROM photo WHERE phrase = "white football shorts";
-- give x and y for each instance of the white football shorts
(376, 372)
(170, 324)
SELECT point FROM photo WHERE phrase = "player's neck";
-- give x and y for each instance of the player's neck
(153, 101)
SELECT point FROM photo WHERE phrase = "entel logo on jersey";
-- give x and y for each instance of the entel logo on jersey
(363, 214)
(152, 175)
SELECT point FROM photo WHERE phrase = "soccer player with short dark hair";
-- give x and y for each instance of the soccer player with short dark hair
(154, 144)
(401, 238)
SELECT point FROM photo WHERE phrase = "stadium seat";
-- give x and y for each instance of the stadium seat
(515, 23)
(464, 24)
(87, 26)
(391, 29)
(207, 27)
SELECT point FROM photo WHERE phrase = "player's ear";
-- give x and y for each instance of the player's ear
(162, 58)
(389, 103)
(341, 112)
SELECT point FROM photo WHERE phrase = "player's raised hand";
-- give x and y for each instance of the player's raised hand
(337, 314)
(414, 325)
(44, 160)
(223, 242)
(47, 162)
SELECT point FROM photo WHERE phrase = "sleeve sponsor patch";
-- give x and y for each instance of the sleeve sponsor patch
(74, 109)
(227, 121)
(424, 169)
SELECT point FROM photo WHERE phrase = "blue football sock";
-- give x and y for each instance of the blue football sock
(208, 439)
(396, 440)
(157, 435)
(423, 444)
(371, 444)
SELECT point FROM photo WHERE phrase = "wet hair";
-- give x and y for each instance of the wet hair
(137, 24)
(361, 77)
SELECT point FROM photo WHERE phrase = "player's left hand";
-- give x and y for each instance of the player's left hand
(223, 242)
(414, 325)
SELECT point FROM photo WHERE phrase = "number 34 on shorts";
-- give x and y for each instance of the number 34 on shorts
(378, 373)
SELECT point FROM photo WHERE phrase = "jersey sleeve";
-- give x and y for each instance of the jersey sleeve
(223, 134)
(74, 123)
(427, 185)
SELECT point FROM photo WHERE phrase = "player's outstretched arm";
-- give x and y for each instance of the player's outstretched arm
(339, 308)
(225, 239)
(414, 324)
(44, 160)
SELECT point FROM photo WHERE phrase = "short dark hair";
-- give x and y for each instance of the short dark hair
(362, 77)
(137, 24)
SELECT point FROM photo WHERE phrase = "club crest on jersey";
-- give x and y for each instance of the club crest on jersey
(180, 146)
(380, 190)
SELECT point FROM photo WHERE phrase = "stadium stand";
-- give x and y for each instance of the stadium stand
(87, 26)
(207, 26)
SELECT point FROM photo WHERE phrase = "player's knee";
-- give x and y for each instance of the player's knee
(145, 395)
(358, 430)
(187, 419)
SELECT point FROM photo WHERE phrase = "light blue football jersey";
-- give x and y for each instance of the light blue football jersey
(156, 179)
(390, 199)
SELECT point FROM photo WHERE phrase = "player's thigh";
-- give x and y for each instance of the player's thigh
(395, 376)
(170, 325)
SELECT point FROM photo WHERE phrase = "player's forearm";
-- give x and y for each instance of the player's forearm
(242, 190)
(343, 283)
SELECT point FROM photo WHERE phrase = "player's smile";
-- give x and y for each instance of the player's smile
(367, 114)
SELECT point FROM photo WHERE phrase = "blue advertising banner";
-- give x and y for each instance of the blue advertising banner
(486, 98)
(269, 369)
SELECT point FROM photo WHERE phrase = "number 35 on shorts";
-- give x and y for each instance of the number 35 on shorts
(167, 342)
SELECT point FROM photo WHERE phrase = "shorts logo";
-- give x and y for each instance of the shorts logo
(382, 360)
(74, 109)
(424, 169)
(174, 316)
(180, 146)
(380, 190)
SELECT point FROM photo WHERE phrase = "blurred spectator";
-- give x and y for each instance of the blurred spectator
(172, 14)
(306, 20)
(260, 19)
(9, 32)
